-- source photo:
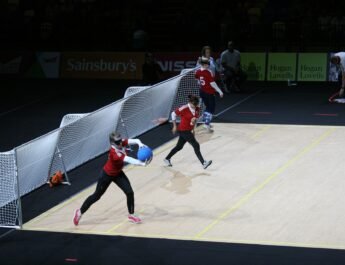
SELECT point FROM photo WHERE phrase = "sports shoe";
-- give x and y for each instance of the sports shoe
(167, 162)
(77, 217)
(206, 164)
(208, 128)
(134, 219)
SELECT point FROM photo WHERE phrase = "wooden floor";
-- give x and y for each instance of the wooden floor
(268, 184)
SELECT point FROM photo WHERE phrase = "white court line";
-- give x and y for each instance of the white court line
(237, 103)
(21, 106)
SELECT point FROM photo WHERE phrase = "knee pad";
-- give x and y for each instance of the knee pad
(208, 117)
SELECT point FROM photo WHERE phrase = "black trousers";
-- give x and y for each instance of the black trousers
(103, 183)
(209, 101)
(340, 78)
(232, 78)
(187, 136)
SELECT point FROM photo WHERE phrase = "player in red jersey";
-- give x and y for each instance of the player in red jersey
(112, 172)
(208, 90)
(189, 115)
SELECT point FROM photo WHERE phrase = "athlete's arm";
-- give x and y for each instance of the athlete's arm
(133, 161)
(215, 86)
(135, 141)
(173, 118)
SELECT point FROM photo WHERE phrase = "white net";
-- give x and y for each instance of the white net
(9, 199)
(148, 108)
(85, 138)
(187, 86)
(133, 90)
(82, 137)
(70, 118)
(33, 161)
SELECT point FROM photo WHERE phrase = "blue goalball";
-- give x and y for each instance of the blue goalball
(144, 153)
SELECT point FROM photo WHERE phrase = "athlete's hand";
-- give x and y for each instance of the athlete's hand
(142, 145)
(221, 95)
(193, 121)
(174, 129)
(148, 161)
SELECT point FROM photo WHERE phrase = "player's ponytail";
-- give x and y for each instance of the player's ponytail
(193, 100)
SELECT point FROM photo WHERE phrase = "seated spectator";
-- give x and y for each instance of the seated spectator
(233, 75)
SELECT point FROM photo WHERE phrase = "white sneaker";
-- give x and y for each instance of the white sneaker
(206, 164)
(167, 162)
(208, 128)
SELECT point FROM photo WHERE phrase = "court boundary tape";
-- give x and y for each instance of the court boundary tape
(244, 199)
(304, 151)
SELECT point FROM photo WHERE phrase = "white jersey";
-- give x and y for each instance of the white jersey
(342, 60)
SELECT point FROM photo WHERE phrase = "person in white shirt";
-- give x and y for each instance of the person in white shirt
(206, 52)
(339, 60)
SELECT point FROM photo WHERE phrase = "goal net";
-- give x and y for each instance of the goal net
(9, 198)
(82, 137)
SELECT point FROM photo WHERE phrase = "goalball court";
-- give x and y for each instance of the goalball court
(273, 194)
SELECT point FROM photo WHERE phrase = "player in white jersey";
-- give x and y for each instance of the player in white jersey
(339, 60)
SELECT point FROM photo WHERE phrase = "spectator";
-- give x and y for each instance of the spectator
(206, 52)
(152, 72)
(339, 60)
(233, 75)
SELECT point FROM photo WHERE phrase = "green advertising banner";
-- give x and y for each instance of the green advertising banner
(254, 64)
(281, 67)
(312, 67)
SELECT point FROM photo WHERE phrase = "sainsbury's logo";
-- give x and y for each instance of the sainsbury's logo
(100, 65)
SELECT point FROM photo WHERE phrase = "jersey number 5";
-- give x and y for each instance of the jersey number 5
(201, 80)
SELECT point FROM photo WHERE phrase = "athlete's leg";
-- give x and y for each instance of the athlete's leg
(123, 183)
(180, 143)
(102, 185)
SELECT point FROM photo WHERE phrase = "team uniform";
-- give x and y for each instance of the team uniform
(112, 172)
(185, 128)
(207, 92)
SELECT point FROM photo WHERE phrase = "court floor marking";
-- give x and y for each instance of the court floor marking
(256, 189)
(29, 225)
(23, 105)
(238, 103)
(261, 132)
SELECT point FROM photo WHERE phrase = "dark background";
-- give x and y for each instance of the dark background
(30, 108)
(180, 25)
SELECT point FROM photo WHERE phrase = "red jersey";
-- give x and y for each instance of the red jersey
(115, 162)
(186, 117)
(205, 78)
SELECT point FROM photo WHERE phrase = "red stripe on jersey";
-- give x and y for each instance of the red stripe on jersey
(186, 117)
